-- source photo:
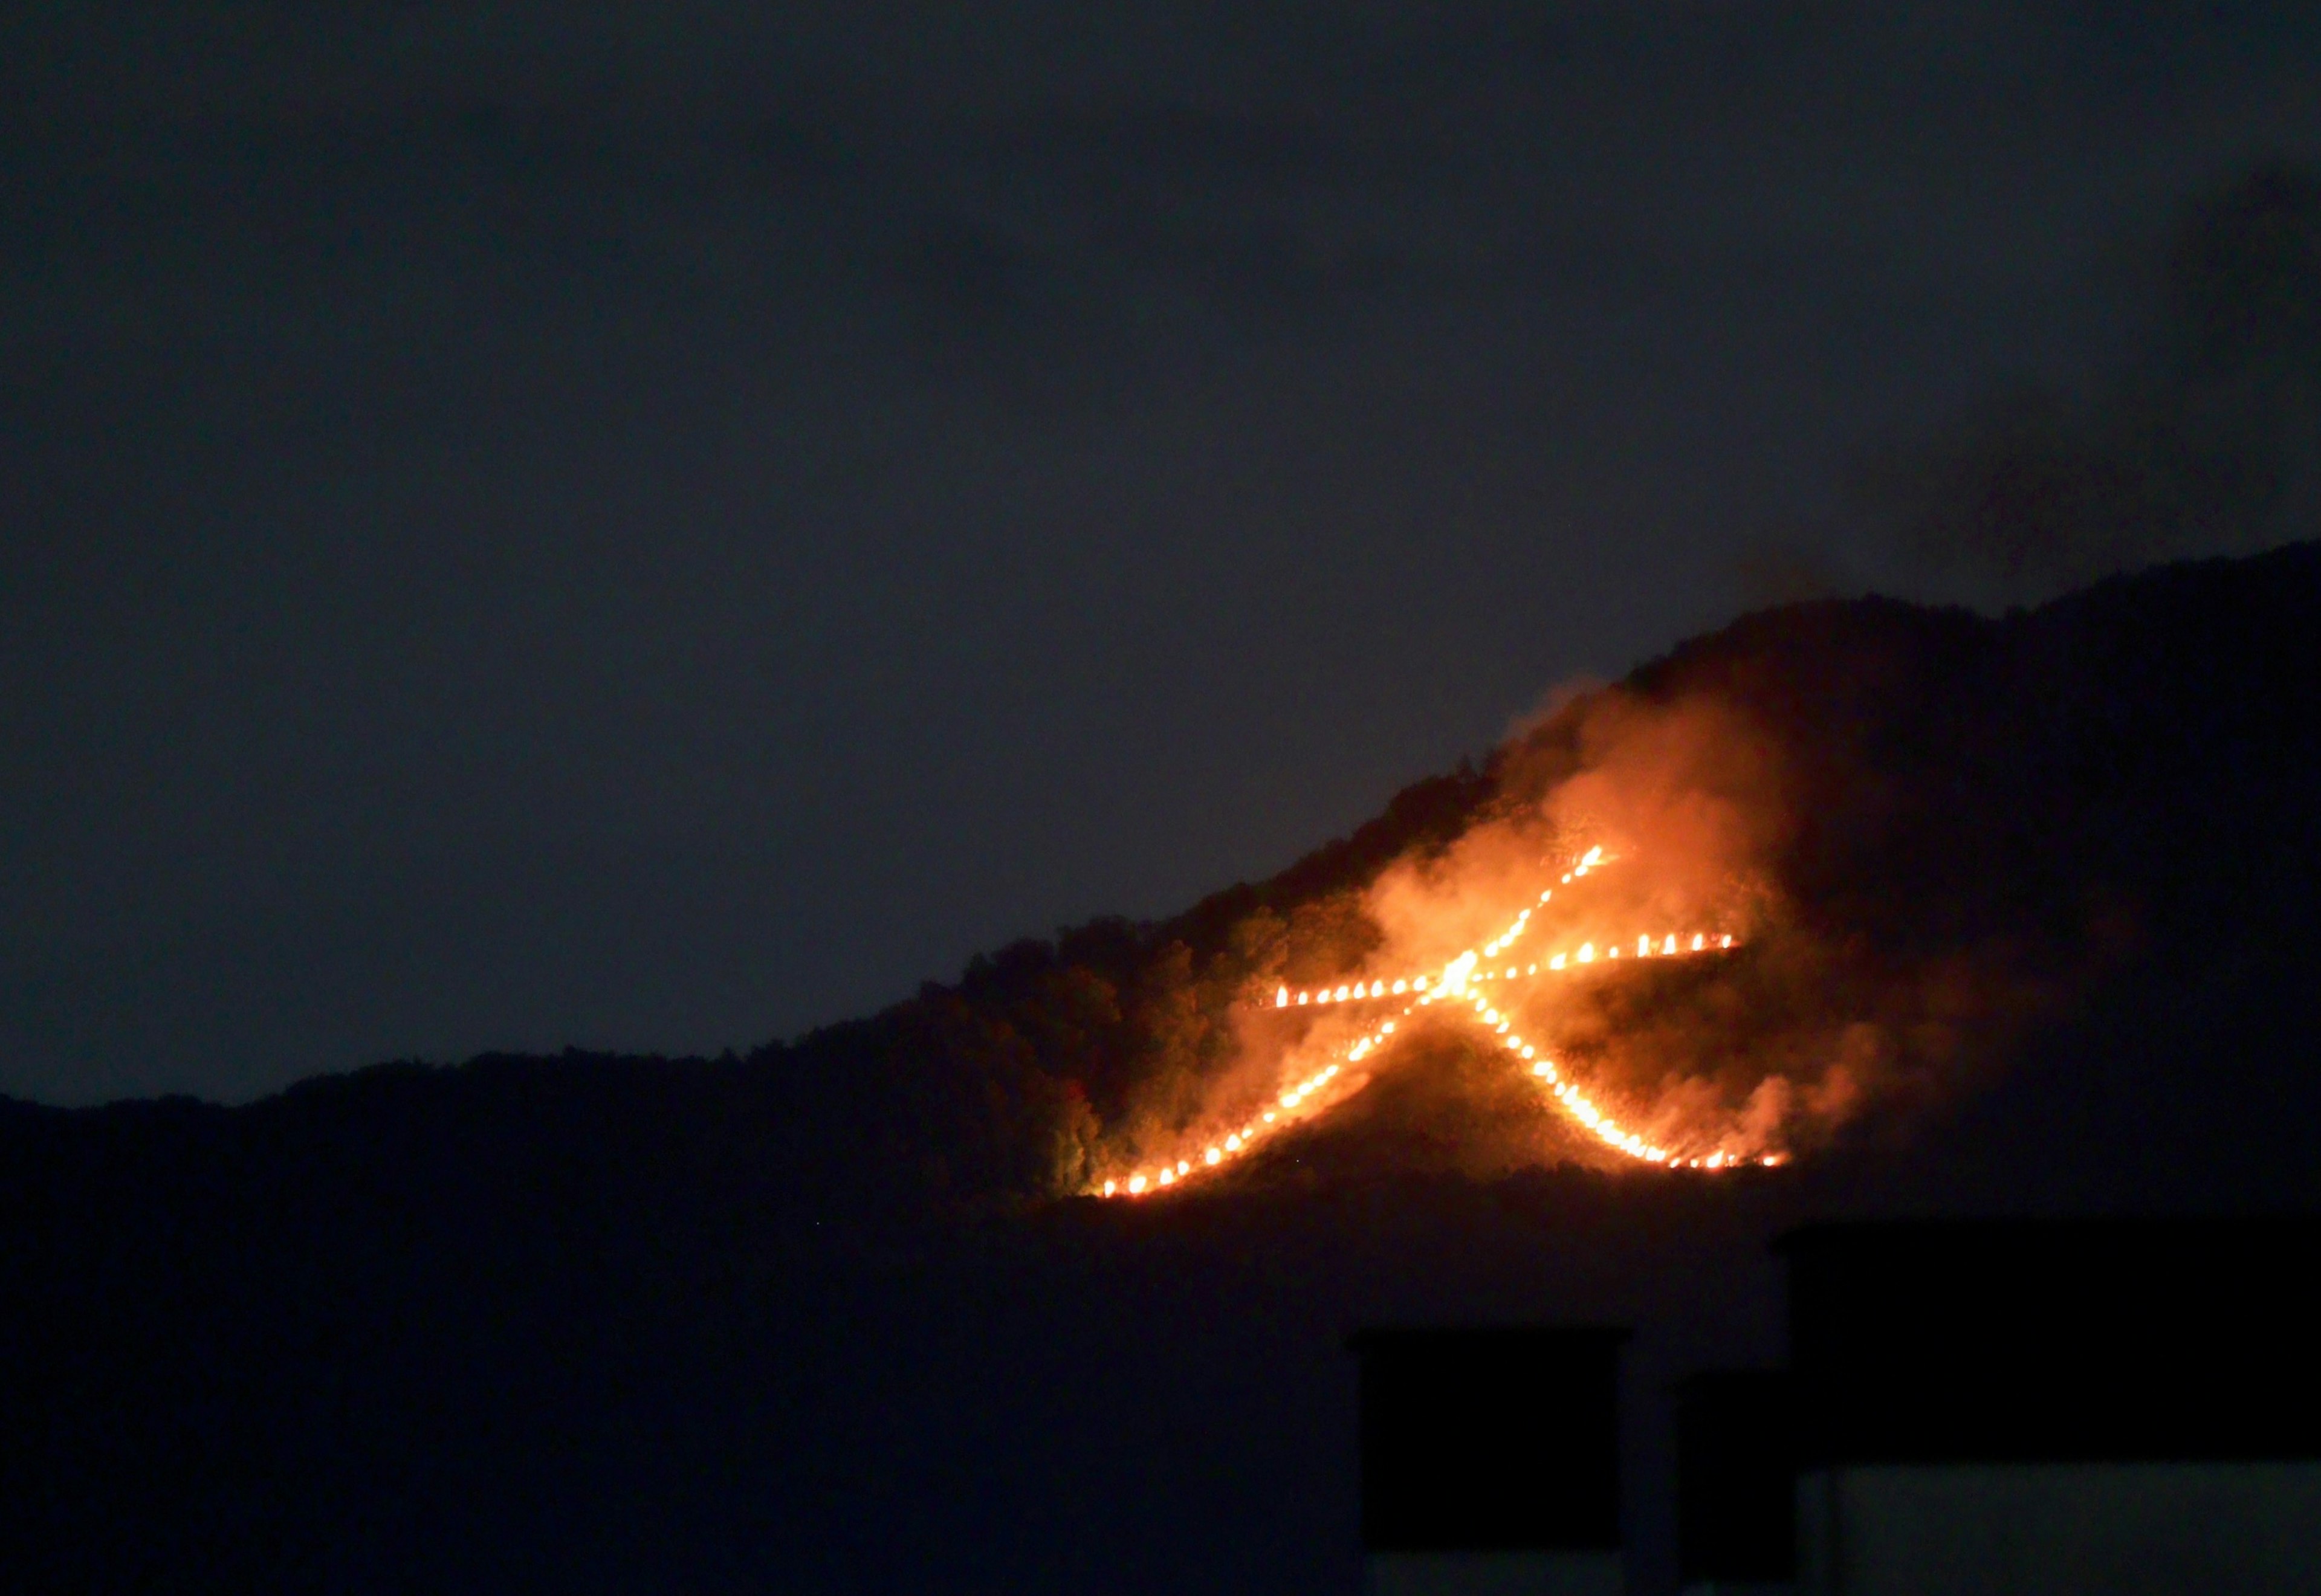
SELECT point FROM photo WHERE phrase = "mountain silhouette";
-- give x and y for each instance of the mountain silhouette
(834, 1315)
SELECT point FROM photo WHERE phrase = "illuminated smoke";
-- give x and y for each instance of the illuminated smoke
(1614, 930)
(1457, 987)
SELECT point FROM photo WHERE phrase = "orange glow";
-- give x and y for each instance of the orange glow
(1458, 978)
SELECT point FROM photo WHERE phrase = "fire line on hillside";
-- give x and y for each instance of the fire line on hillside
(1457, 987)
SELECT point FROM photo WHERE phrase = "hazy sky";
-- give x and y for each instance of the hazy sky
(658, 526)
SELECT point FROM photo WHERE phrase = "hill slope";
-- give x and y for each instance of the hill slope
(803, 1317)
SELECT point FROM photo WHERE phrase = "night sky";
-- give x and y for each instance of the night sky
(657, 528)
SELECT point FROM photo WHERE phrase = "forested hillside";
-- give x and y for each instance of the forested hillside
(542, 1320)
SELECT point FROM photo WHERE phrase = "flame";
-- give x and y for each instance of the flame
(1456, 982)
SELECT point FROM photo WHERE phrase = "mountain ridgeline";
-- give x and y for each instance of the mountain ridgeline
(2118, 790)
(822, 1316)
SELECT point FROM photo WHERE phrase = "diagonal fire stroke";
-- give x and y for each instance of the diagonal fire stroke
(1459, 985)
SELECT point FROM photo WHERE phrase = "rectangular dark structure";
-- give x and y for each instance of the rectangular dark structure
(1736, 1478)
(2117, 1405)
(1490, 1439)
(2064, 1340)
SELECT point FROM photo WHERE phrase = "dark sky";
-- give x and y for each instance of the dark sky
(658, 527)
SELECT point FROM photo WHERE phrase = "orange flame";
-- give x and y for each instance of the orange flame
(1457, 979)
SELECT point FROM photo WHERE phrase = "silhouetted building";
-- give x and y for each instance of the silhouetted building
(2116, 1406)
(1736, 1469)
(1490, 1461)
